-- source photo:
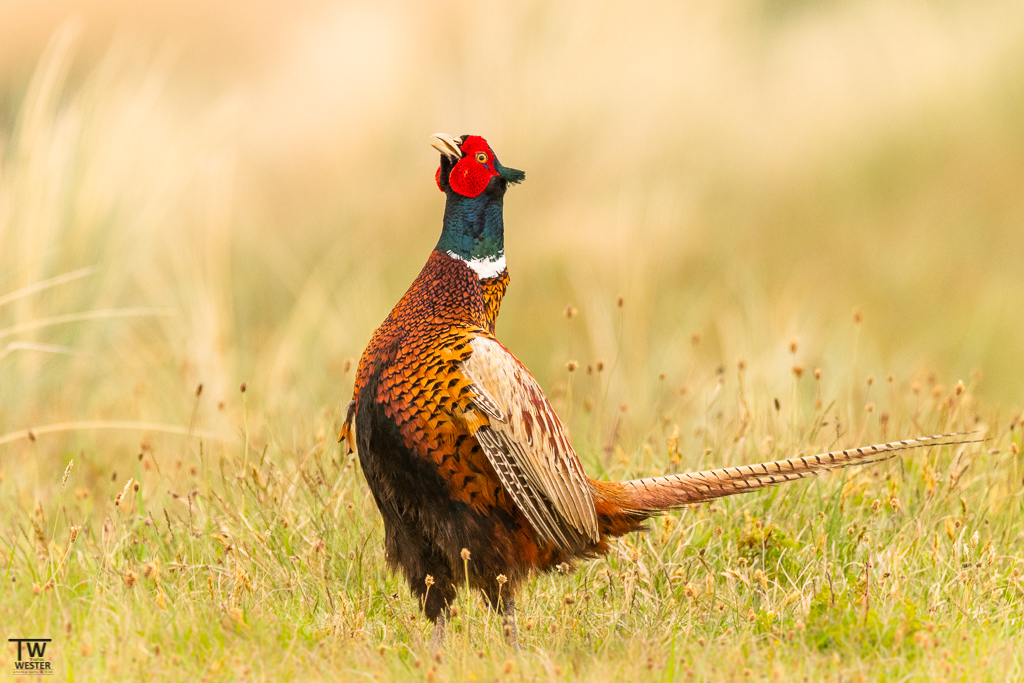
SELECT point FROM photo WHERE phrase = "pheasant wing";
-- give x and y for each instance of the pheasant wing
(527, 446)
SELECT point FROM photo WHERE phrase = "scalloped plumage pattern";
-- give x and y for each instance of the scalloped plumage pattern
(462, 451)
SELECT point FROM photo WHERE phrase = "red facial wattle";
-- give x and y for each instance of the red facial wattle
(474, 171)
(469, 177)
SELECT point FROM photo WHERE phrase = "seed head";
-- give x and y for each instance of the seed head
(695, 338)
(130, 578)
(569, 311)
(124, 492)
(857, 316)
(571, 365)
(429, 580)
(465, 554)
(67, 471)
(798, 370)
(794, 344)
(619, 302)
(241, 387)
(501, 579)
(151, 570)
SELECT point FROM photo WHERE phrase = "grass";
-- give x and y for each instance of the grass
(187, 565)
(797, 251)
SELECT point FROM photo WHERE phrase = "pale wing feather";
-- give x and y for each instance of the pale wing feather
(526, 443)
(516, 484)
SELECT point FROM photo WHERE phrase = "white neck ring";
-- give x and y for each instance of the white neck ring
(486, 267)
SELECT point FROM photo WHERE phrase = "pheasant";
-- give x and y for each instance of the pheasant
(467, 462)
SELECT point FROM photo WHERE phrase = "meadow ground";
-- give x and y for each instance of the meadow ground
(747, 232)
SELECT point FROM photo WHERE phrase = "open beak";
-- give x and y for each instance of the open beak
(446, 145)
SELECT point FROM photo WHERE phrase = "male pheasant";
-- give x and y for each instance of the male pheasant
(461, 449)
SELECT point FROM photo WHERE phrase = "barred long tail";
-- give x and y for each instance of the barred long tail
(677, 490)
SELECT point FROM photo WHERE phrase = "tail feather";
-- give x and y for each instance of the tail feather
(678, 490)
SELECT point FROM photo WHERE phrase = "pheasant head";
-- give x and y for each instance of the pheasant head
(474, 183)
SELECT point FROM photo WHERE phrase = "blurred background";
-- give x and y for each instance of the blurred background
(213, 193)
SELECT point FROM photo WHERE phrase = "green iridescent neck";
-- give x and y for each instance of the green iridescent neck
(473, 227)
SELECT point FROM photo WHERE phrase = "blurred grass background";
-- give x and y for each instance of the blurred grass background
(751, 172)
(239, 192)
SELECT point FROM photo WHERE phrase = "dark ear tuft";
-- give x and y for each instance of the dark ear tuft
(511, 175)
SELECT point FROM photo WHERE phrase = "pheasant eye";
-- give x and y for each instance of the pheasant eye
(481, 157)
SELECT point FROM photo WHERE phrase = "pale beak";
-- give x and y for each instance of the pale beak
(446, 145)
